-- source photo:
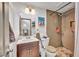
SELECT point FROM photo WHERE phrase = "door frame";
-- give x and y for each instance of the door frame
(76, 48)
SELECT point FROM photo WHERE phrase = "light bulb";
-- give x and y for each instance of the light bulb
(27, 10)
(32, 12)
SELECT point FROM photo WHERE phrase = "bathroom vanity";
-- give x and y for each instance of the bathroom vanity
(28, 47)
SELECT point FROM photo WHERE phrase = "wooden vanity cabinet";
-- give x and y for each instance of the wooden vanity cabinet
(30, 49)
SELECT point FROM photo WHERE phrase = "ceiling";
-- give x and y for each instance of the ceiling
(47, 5)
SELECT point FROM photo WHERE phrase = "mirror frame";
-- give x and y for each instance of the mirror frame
(21, 18)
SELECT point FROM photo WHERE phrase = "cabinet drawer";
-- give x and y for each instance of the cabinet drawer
(28, 45)
(34, 44)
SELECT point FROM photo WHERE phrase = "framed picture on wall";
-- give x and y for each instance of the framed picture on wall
(33, 27)
(41, 21)
(33, 23)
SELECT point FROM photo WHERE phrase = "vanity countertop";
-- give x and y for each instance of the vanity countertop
(23, 39)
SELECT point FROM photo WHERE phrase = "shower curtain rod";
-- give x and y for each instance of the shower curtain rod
(61, 7)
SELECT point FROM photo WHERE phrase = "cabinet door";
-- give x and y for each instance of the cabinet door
(24, 53)
(35, 51)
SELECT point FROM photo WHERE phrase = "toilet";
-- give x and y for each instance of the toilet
(47, 51)
(44, 42)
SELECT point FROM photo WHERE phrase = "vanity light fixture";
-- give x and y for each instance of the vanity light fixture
(30, 11)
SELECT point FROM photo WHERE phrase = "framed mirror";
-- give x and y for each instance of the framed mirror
(25, 27)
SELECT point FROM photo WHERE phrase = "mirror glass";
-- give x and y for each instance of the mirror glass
(25, 27)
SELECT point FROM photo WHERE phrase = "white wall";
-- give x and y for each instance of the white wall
(17, 12)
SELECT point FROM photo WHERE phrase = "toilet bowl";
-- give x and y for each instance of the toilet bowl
(50, 51)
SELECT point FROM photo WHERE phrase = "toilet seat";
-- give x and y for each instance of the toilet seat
(48, 54)
(51, 49)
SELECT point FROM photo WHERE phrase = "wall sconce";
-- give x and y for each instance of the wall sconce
(29, 11)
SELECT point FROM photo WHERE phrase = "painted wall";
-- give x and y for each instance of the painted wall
(15, 16)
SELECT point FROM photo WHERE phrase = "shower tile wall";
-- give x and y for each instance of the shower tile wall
(53, 21)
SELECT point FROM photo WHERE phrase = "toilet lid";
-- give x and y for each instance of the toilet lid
(68, 40)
